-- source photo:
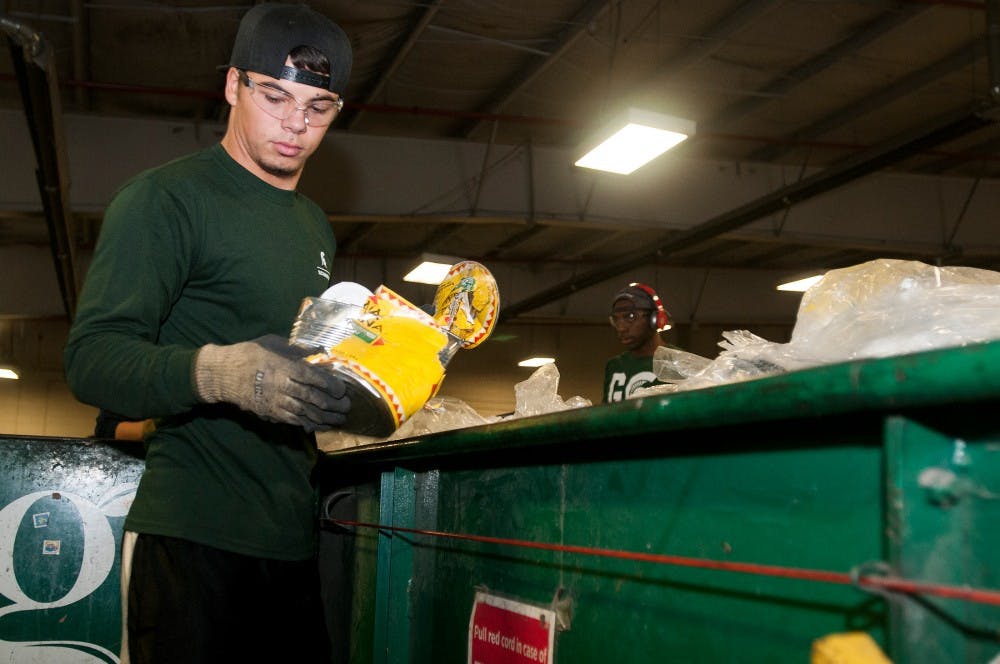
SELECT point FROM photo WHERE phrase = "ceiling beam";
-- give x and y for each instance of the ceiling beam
(983, 151)
(514, 240)
(961, 57)
(437, 236)
(399, 53)
(787, 81)
(580, 23)
(711, 40)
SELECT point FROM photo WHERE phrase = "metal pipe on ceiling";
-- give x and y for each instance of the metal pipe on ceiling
(34, 63)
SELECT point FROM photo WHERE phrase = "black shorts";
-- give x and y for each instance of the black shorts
(189, 603)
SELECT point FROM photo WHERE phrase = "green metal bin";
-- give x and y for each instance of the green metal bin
(62, 506)
(733, 524)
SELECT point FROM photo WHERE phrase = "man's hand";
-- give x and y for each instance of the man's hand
(268, 377)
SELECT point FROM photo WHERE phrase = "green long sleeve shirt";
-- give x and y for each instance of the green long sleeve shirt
(193, 252)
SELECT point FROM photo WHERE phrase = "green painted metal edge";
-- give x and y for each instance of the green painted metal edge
(952, 375)
(395, 569)
(382, 572)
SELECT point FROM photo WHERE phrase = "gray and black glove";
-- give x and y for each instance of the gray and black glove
(268, 377)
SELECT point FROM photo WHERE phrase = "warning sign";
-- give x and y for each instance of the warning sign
(503, 631)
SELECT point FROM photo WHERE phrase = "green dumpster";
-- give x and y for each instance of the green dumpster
(733, 524)
(739, 523)
(62, 506)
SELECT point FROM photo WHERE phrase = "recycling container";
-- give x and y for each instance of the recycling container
(738, 523)
(63, 502)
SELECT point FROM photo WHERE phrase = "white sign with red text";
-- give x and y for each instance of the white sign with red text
(504, 631)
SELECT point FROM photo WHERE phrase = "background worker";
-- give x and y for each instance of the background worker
(638, 316)
(196, 278)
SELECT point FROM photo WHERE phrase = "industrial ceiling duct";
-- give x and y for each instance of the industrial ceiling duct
(34, 65)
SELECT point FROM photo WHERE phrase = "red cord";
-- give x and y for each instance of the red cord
(870, 581)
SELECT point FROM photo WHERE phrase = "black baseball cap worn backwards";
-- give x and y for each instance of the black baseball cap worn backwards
(270, 31)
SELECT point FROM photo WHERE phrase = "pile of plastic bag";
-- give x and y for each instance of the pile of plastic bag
(536, 395)
(876, 309)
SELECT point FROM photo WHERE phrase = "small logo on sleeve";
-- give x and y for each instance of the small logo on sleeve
(323, 269)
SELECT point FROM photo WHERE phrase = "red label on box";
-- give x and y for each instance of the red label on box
(504, 631)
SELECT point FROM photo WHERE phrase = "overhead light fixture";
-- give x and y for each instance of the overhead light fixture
(433, 268)
(536, 361)
(633, 139)
(800, 285)
(7, 372)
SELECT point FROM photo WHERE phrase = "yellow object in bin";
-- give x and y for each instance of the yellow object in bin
(402, 363)
(392, 364)
(847, 648)
(391, 354)
(467, 303)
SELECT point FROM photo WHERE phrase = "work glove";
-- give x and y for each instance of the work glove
(268, 377)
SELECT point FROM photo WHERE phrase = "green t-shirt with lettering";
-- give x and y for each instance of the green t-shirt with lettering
(625, 373)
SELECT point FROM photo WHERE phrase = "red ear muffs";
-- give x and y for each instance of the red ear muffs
(659, 320)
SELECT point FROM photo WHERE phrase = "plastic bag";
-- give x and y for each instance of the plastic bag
(672, 364)
(538, 394)
(891, 307)
(876, 309)
(439, 414)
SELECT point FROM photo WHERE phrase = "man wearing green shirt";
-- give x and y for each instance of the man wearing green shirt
(184, 317)
(638, 317)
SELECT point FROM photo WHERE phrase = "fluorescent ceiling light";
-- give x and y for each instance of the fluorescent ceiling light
(432, 269)
(536, 361)
(800, 285)
(428, 273)
(635, 138)
(8, 373)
